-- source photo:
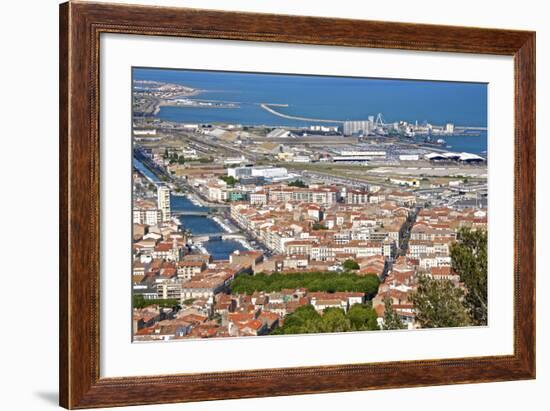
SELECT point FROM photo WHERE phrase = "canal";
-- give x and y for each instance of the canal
(218, 249)
(143, 169)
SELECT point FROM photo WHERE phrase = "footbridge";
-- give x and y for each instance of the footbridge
(201, 238)
(180, 213)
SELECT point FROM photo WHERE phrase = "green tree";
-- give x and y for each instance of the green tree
(469, 260)
(312, 281)
(334, 320)
(140, 302)
(391, 318)
(306, 320)
(298, 183)
(229, 180)
(439, 303)
(362, 317)
(350, 265)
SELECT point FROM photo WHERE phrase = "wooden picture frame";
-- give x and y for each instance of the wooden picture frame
(80, 27)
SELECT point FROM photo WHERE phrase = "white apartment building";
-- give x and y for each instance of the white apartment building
(189, 269)
(259, 197)
(169, 289)
(217, 193)
(149, 216)
(357, 197)
(163, 202)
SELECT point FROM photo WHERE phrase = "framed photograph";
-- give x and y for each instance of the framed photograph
(257, 205)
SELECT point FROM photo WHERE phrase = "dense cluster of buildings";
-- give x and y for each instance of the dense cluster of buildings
(319, 227)
(323, 223)
(151, 211)
(387, 232)
(393, 230)
(234, 315)
(429, 254)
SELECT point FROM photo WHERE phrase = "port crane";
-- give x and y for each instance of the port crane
(379, 125)
(379, 122)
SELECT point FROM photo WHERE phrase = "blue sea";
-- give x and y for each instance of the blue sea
(324, 97)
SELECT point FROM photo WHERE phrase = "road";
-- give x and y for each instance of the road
(404, 242)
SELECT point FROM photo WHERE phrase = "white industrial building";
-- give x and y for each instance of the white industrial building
(280, 133)
(189, 154)
(239, 172)
(449, 156)
(449, 128)
(267, 172)
(324, 129)
(359, 153)
(145, 132)
(409, 157)
(350, 158)
(235, 160)
(358, 127)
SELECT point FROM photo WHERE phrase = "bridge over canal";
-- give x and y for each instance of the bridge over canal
(200, 238)
(179, 213)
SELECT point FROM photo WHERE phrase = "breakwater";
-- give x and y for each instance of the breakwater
(268, 107)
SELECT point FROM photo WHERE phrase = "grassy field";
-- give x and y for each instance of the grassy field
(364, 173)
(352, 171)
